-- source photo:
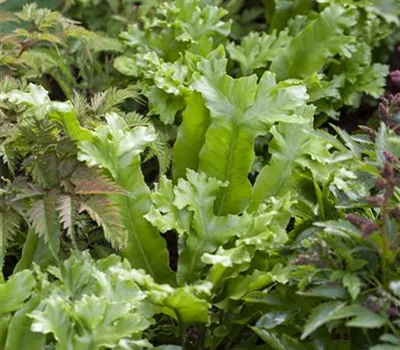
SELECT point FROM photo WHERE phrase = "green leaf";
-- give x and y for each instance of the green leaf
(75, 272)
(367, 319)
(189, 208)
(63, 113)
(36, 100)
(395, 287)
(36, 251)
(261, 233)
(92, 304)
(191, 135)
(353, 285)
(15, 291)
(126, 65)
(19, 335)
(280, 12)
(293, 149)
(277, 340)
(321, 39)
(237, 288)
(361, 317)
(186, 304)
(272, 319)
(326, 291)
(4, 323)
(163, 104)
(240, 111)
(54, 319)
(321, 315)
(117, 149)
(256, 50)
(107, 323)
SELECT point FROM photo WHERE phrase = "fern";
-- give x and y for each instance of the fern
(9, 226)
(105, 102)
(107, 215)
(43, 217)
(89, 181)
(68, 210)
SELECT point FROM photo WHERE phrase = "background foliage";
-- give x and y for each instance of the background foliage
(200, 174)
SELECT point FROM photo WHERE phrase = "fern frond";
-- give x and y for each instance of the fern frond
(160, 149)
(9, 83)
(106, 214)
(105, 102)
(68, 208)
(81, 104)
(91, 181)
(9, 224)
(135, 119)
(44, 170)
(9, 157)
(43, 217)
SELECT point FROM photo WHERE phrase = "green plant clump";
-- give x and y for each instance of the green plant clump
(182, 175)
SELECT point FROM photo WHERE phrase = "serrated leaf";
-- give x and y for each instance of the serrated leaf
(9, 224)
(45, 170)
(321, 315)
(44, 219)
(91, 181)
(67, 208)
(353, 285)
(106, 214)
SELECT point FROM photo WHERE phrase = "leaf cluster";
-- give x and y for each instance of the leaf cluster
(177, 187)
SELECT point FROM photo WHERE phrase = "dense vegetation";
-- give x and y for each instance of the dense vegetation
(200, 174)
